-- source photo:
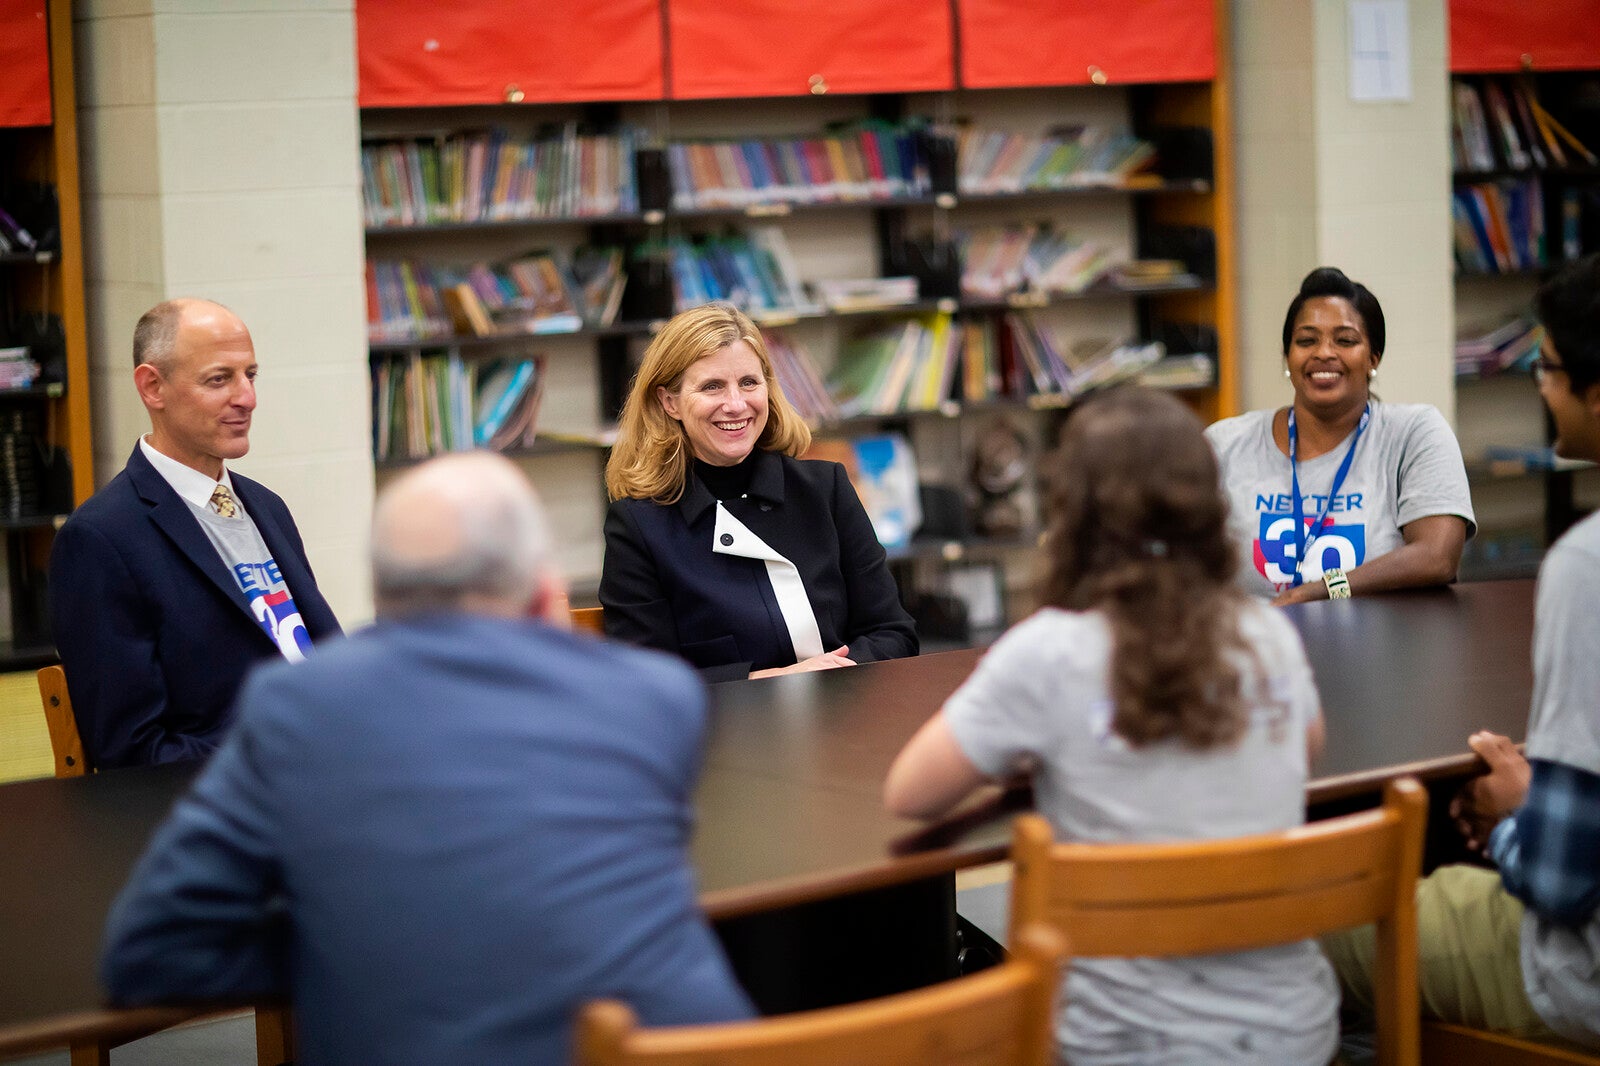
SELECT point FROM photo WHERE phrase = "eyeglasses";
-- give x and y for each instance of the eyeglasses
(1544, 366)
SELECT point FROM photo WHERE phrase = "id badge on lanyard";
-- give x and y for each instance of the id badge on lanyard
(1303, 535)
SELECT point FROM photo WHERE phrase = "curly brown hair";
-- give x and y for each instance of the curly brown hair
(1138, 532)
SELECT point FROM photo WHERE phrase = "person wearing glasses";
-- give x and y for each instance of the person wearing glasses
(1516, 948)
(1338, 494)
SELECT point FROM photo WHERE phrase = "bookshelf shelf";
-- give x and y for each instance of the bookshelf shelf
(498, 225)
(538, 448)
(44, 428)
(35, 521)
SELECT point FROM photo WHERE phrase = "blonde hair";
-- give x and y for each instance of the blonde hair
(650, 460)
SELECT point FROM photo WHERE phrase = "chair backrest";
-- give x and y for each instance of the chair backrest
(589, 619)
(996, 1017)
(1233, 895)
(65, 744)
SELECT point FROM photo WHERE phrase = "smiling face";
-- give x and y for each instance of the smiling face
(1330, 360)
(202, 399)
(1576, 414)
(722, 403)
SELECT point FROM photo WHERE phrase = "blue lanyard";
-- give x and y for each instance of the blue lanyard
(1303, 536)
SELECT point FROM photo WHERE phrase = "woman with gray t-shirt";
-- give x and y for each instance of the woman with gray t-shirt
(1339, 494)
(1151, 700)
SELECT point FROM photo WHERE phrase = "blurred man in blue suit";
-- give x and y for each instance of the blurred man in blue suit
(442, 835)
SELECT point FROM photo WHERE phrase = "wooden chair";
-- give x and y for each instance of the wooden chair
(65, 744)
(1233, 895)
(1445, 1044)
(589, 619)
(998, 1016)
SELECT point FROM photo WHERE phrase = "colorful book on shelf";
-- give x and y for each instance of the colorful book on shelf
(499, 395)
(798, 377)
(598, 281)
(1473, 128)
(1504, 125)
(1510, 345)
(858, 294)
(521, 426)
(468, 316)
(886, 481)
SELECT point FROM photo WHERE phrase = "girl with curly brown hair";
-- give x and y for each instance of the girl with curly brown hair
(1151, 700)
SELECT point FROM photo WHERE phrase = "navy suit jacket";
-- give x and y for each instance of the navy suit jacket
(664, 587)
(472, 826)
(154, 633)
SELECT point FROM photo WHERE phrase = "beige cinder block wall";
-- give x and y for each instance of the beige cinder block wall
(1362, 186)
(220, 158)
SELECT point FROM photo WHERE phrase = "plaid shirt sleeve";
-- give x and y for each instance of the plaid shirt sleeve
(1549, 850)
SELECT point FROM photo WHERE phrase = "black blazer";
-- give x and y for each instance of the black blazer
(662, 585)
(154, 633)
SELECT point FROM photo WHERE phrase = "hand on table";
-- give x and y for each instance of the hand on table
(1488, 798)
(1303, 593)
(828, 660)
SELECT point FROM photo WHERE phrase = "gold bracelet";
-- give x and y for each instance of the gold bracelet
(1338, 584)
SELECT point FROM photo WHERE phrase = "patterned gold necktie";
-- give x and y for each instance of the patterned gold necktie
(222, 502)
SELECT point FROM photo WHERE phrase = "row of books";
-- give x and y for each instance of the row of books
(495, 175)
(998, 261)
(754, 271)
(1499, 227)
(926, 362)
(1501, 124)
(428, 403)
(1512, 345)
(999, 161)
(542, 292)
(870, 160)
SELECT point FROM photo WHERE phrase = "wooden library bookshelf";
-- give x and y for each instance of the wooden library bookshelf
(1525, 149)
(45, 462)
(950, 221)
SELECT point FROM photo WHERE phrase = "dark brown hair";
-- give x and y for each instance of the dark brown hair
(1137, 531)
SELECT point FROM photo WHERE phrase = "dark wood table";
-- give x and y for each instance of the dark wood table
(789, 802)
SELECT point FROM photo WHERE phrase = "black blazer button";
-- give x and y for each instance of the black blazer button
(766, 507)
(727, 539)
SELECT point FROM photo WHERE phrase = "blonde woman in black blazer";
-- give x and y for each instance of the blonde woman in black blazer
(721, 545)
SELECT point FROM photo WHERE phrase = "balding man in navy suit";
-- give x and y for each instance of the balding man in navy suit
(179, 576)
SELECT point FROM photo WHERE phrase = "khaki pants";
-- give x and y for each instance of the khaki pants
(1469, 932)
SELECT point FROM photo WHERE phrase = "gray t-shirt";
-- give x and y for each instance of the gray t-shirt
(1407, 466)
(246, 555)
(1561, 964)
(1042, 693)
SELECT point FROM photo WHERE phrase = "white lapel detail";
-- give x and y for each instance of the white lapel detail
(733, 537)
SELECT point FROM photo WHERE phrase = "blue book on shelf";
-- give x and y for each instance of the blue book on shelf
(497, 398)
(886, 479)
